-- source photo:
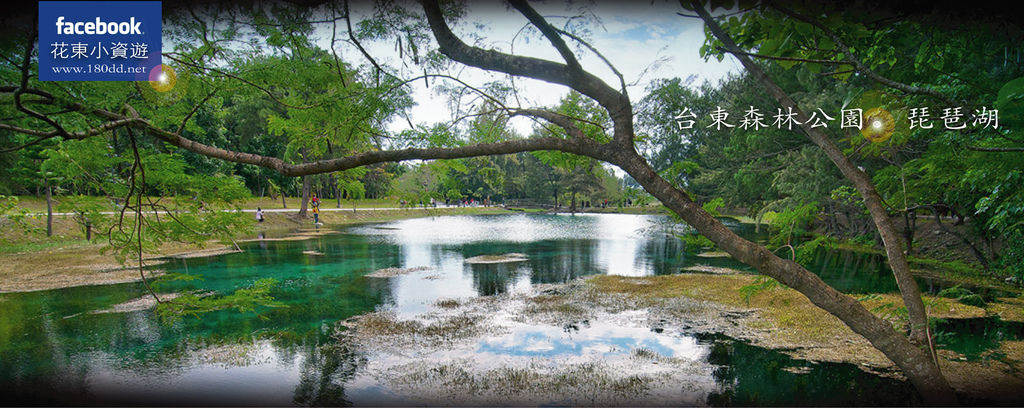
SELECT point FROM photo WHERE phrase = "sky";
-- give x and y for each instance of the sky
(644, 40)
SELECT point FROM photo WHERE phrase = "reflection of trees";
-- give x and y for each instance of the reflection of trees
(750, 375)
(854, 272)
(493, 279)
(664, 253)
(324, 373)
(568, 260)
(46, 358)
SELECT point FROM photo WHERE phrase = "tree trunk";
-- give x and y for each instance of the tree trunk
(572, 207)
(337, 194)
(283, 203)
(916, 364)
(974, 249)
(909, 224)
(890, 239)
(49, 208)
(305, 198)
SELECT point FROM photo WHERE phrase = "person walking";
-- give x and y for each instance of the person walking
(259, 214)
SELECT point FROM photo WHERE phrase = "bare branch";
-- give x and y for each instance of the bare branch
(617, 104)
(772, 57)
(550, 32)
(108, 126)
(622, 80)
(352, 37)
(194, 110)
(24, 84)
(334, 38)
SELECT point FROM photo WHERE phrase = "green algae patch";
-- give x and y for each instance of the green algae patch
(890, 306)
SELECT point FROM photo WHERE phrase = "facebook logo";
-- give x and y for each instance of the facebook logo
(99, 40)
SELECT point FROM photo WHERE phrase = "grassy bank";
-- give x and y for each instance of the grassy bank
(32, 261)
(419, 358)
(38, 204)
(783, 319)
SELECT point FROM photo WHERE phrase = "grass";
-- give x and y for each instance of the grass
(38, 204)
(1009, 309)
(788, 313)
(957, 270)
(33, 261)
(60, 243)
(891, 305)
(580, 382)
(388, 324)
(644, 353)
(447, 303)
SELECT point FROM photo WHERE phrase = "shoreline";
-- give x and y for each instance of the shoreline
(83, 264)
(779, 319)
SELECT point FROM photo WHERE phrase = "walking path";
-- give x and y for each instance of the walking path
(286, 210)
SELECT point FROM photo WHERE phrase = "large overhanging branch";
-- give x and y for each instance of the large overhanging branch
(576, 144)
(579, 146)
(617, 104)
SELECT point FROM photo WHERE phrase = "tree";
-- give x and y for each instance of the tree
(575, 135)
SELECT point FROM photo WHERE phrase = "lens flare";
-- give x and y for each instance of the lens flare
(162, 78)
(878, 125)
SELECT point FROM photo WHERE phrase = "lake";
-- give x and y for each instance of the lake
(64, 347)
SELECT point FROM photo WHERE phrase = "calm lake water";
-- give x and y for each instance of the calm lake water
(56, 348)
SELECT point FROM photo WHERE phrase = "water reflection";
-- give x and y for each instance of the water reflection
(590, 339)
(53, 350)
(750, 376)
(324, 374)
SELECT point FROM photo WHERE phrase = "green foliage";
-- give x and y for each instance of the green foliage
(712, 206)
(696, 242)
(762, 283)
(1010, 103)
(890, 311)
(165, 280)
(972, 300)
(792, 224)
(977, 65)
(805, 252)
(13, 216)
(962, 295)
(954, 292)
(243, 300)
